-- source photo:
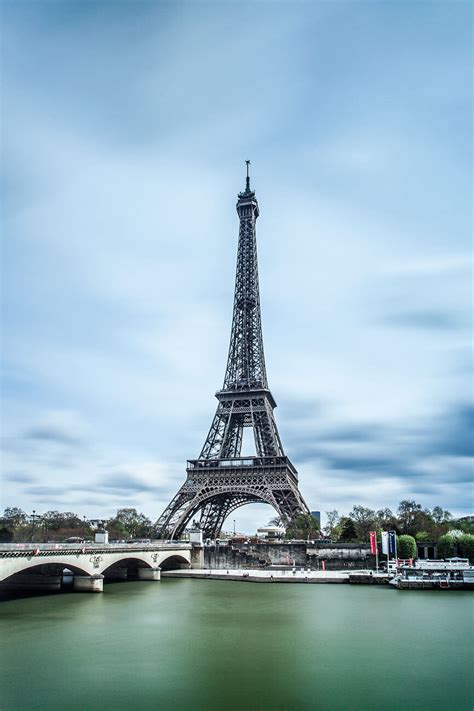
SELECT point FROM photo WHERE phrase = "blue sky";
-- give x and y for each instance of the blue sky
(125, 126)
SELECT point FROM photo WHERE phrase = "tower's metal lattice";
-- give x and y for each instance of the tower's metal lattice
(221, 480)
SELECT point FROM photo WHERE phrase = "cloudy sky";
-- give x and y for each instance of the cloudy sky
(125, 130)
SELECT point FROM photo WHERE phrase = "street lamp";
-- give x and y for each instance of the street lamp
(234, 526)
(84, 528)
(33, 516)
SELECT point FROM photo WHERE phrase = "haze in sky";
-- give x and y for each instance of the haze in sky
(125, 130)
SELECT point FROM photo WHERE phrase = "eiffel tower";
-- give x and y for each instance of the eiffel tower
(221, 480)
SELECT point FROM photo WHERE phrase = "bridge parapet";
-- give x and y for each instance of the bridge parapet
(28, 547)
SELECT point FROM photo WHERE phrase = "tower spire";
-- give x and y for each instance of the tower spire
(247, 181)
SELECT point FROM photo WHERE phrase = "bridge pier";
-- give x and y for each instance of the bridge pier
(88, 583)
(149, 573)
(197, 556)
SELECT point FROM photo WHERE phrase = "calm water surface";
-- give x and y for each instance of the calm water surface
(199, 645)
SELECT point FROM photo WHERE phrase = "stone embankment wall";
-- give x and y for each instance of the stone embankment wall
(262, 555)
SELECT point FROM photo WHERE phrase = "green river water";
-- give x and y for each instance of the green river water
(200, 645)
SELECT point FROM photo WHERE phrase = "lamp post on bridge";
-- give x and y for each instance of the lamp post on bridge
(33, 516)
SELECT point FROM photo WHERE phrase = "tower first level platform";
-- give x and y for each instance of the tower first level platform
(216, 487)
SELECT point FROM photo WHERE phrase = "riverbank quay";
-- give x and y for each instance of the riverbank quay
(250, 575)
(314, 555)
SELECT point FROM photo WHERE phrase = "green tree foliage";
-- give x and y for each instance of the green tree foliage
(466, 546)
(447, 546)
(275, 521)
(56, 520)
(386, 520)
(440, 516)
(406, 547)
(412, 518)
(422, 536)
(52, 520)
(15, 525)
(6, 534)
(463, 525)
(456, 543)
(348, 530)
(128, 523)
(303, 526)
(365, 520)
(14, 517)
(332, 527)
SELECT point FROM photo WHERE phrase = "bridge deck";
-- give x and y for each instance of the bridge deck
(25, 550)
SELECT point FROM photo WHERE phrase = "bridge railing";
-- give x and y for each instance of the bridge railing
(182, 545)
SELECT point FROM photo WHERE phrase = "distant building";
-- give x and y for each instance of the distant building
(271, 532)
(317, 516)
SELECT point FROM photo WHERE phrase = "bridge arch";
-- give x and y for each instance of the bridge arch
(38, 575)
(174, 562)
(54, 566)
(125, 568)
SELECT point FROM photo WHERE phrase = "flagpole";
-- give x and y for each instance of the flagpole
(386, 546)
(374, 548)
(392, 548)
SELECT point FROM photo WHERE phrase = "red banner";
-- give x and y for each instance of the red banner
(373, 542)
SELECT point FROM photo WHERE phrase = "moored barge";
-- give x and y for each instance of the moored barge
(451, 574)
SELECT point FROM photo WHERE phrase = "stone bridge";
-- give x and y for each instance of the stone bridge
(35, 566)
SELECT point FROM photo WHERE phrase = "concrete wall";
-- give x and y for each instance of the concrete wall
(260, 555)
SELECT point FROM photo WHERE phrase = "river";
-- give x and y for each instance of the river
(200, 645)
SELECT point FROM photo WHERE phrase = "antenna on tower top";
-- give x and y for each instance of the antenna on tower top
(247, 181)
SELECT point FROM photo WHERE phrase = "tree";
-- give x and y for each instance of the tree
(14, 517)
(463, 524)
(406, 547)
(440, 516)
(6, 534)
(71, 520)
(275, 521)
(386, 520)
(422, 536)
(57, 520)
(348, 531)
(52, 520)
(365, 520)
(447, 545)
(131, 524)
(466, 546)
(332, 522)
(412, 518)
(303, 526)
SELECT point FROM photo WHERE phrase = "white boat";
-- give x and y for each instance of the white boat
(450, 574)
